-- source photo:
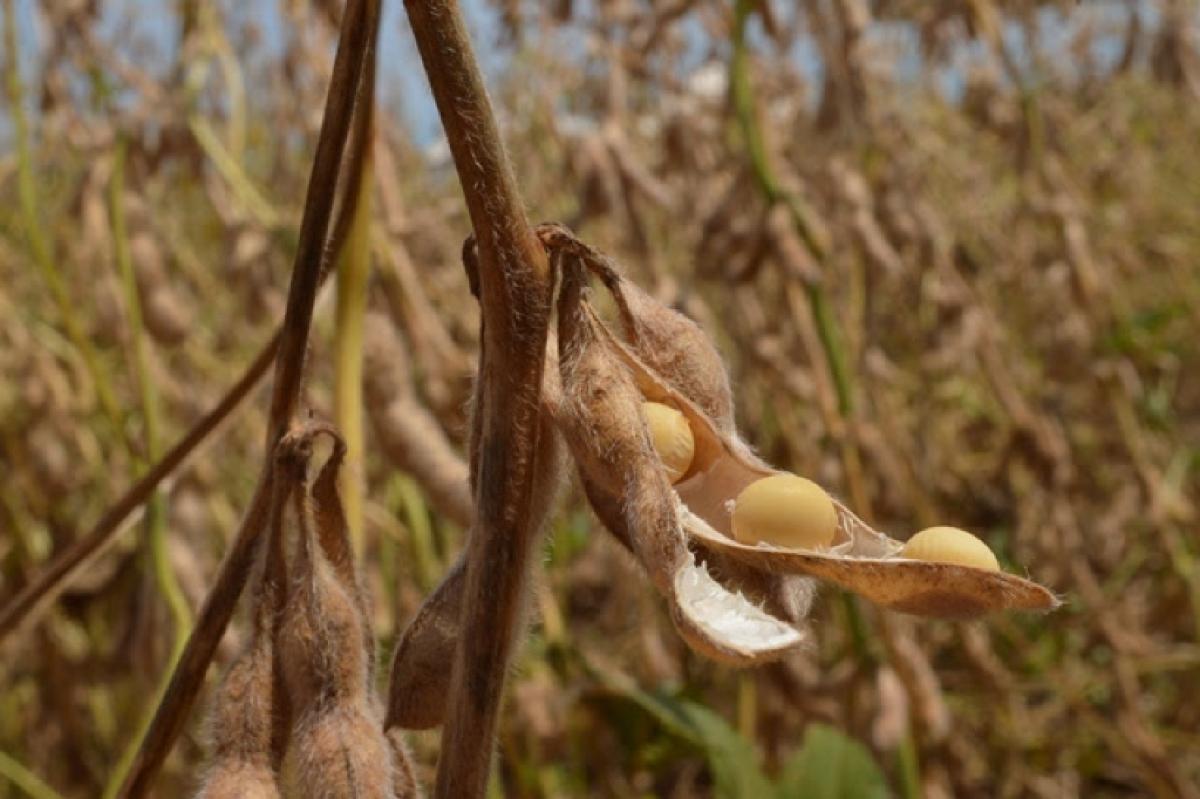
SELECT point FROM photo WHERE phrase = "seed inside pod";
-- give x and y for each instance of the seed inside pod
(672, 438)
(785, 510)
(857, 558)
(602, 420)
(950, 545)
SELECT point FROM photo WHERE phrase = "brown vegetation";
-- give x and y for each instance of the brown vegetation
(951, 276)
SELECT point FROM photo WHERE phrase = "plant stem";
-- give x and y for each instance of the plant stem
(909, 764)
(350, 93)
(826, 323)
(243, 188)
(756, 147)
(155, 520)
(43, 254)
(354, 269)
(747, 705)
(416, 514)
(774, 192)
(515, 288)
(150, 406)
(24, 779)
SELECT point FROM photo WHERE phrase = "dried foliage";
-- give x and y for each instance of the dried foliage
(940, 258)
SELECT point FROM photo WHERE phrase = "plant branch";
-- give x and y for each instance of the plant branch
(354, 269)
(42, 590)
(40, 244)
(46, 586)
(351, 90)
(515, 289)
(774, 192)
(356, 49)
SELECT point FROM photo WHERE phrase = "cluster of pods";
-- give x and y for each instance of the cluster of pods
(295, 713)
(644, 408)
(735, 547)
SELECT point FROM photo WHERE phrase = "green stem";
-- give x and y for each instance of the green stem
(32, 544)
(745, 108)
(243, 187)
(830, 335)
(24, 779)
(747, 705)
(910, 767)
(155, 521)
(354, 270)
(416, 514)
(235, 86)
(860, 638)
(828, 329)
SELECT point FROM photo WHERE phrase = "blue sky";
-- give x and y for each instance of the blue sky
(155, 24)
(402, 78)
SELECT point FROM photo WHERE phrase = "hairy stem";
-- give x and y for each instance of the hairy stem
(351, 90)
(515, 287)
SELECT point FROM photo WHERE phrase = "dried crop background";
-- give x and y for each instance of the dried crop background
(1002, 205)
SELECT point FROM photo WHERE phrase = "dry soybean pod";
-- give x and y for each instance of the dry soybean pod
(333, 535)
(859, 559)
(248, 716)
(602, 422)
(684, 357)
(337, 747)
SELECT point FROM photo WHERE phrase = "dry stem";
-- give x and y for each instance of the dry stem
(350, 91)
(38, 594)
(515, 288)
(46, 586)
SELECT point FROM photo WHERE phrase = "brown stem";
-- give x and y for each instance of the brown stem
(356, 48)
(41, 591)
(351, 90)
(37, 595)
(515, 287)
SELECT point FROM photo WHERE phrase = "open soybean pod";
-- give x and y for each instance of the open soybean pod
(681, 355)
(678, 350)
(859, 558)
(602, 422)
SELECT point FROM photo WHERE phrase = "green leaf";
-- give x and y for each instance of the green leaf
(732, 759)
(831, 766)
